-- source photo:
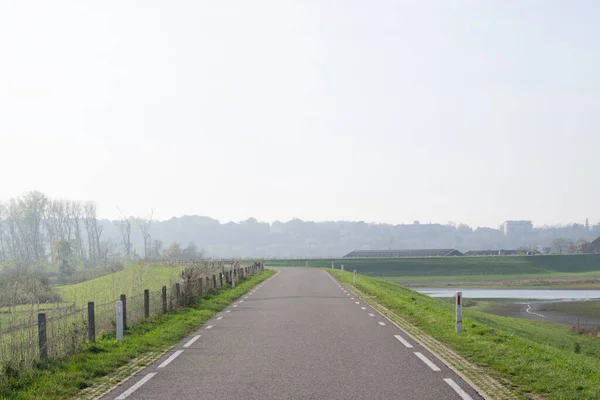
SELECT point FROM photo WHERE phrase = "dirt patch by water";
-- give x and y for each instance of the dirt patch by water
(549, 312)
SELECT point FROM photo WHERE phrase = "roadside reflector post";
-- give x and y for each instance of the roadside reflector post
(119, 307)
(332, 266)
(342, 269)
(459, 304)
(355, 276)
(307, 263)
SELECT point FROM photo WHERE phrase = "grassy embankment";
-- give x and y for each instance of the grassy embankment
(541, 358)
(131, 281)
(542, 271)
(61, 379)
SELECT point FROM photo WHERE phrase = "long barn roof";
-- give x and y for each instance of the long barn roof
(403, 253)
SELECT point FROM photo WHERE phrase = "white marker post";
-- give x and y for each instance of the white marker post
(119, 307)
(342, 269)
(459, 301)
(307, 263)
(332, 266)
(354, 276)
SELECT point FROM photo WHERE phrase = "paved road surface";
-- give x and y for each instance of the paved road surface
(297, 336)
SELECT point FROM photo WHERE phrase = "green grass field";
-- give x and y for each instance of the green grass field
(26, 313)
(131, 281)
(447, 269)
(542, 358)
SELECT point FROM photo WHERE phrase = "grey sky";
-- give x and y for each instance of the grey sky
(380, 111)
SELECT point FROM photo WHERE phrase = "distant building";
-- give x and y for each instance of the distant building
(517, 228)
(403, 253)
(594, 246)
(476, 253)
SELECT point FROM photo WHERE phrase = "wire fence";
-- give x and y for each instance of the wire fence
(62, 331)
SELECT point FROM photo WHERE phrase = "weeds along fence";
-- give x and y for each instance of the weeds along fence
(60, 332)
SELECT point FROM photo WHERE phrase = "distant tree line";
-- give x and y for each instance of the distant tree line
(66, 237)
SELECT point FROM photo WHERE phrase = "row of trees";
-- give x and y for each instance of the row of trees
(35, 230)
(567, 246)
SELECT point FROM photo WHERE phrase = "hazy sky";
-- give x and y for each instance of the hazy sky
(381, 111)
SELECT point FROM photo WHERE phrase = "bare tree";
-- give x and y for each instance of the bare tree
(559, 245)
(34, 205)
(125, 229)
(582, 246)
(145, 225)
(157, 249)
(94, 231)
(76, 215)
(571, 247)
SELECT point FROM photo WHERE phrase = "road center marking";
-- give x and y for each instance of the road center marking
(464, 395)
(235, 305)
(363, 308)
(381, 323)
(170, 359)
(192, 340)
(209, 327)
(219, 318)
(403, 341)
(427, 361)
(135, 387)
(357, 302)
(371, 315)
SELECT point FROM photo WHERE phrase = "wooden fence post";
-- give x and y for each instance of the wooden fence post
(164, 299)
(214, 281)
(124, 300)
(221, 279)
(201, 283)
(147, 303)
(178, 293)
(207, 284)
(91, 322)
(42, 337)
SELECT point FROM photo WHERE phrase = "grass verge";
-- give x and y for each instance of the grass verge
(540, 359)
(60, 379)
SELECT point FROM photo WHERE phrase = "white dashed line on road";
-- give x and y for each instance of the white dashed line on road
(170, 359)
(227, 311)
(371, 315)
(363, 308)
(403, 341)
(381, 323)
(235, 305)
(464, 395)
(357, 302)
(135, 387)
(192, 340)
(209, 327)
(427, 361)
(219, 318)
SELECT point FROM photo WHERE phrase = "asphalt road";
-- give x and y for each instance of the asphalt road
(297, 336)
